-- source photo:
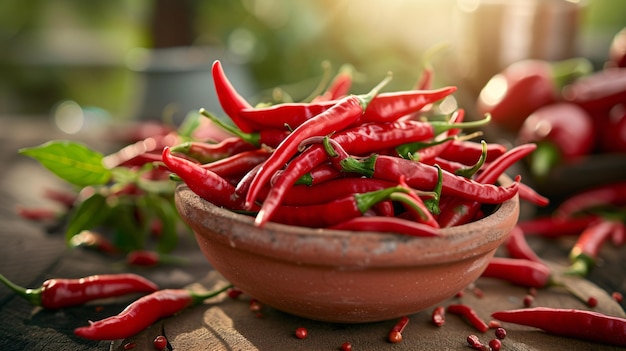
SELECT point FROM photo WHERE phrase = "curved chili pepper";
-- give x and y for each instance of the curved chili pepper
(571, 323)
(239, 163)
(613, 194)
(425, 177)
(517, 246)
(469, 152)
(584, 253)
(209, 152)
(341, 115)
(60, 293)
(519, 271)
(334, 212)
(456, 211)
(470, 315)
(318, 175)
(387, 225)
(203, 182)
(93, 240)
(229, 98)
(553, 227)
(599, 91)
(384, 107)
(141, 313)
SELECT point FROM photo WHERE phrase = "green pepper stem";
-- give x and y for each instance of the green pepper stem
(566, 71)
(252, 138)
(441, 126)
(433, 203)
(365, 201)
(31, 295)
(544, 158)
(409, 201)
(198, 298)
(364, 166)
(581, 265)
(469, 172)
(367, 98)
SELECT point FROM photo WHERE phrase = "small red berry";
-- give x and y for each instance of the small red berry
(592, 302)
(301, 333)
(160, 342)
(528, 300)
(346, 346)
(617, 296)
(255, 305)
(474, 342)
(500, 333)
(495, 344)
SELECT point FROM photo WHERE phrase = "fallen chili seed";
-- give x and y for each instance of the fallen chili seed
(592, 302)
(234, 293)
(302, 333)
(528, 300)
(346, 346)
(617, 296)
(500, 333)
(160, 342)
(129, 346)
(495, 344)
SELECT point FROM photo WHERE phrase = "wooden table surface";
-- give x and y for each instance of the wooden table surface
(31, 253)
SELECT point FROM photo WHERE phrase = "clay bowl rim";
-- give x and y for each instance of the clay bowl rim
(328, 247)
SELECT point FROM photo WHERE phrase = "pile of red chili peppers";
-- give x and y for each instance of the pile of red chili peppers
(381, 160)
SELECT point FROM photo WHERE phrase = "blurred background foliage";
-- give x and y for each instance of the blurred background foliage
(52, 51)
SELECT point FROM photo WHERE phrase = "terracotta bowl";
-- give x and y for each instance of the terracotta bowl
(343, 276)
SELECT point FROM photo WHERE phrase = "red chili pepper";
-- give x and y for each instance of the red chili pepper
(517, 246)
(334, 212)
(571, 323)
(209, 152)
(93, 240)
(384, 107)
(203, 182)
(318, 175)
(587, 248)
(519, 271)
(468, 152)
(553, 227)
(239, 163)
(230, 100)
(387, 225)
(531, 195)
(425, 177)
(524, 86)
(141, 152)
(598, 92)
(470, 315)
(339, 86)
(562, 131)
(613, 194)
(60, 293)
(340, 116)
(141, 313)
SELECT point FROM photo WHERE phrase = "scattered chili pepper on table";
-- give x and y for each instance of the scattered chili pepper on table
(572, 323)
(141, 313)
(519, 271)
(60, 293)
(469, 314)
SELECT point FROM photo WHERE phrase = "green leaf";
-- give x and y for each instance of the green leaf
(166, 212)
(88, 214)
(128, 232)
(71, 161)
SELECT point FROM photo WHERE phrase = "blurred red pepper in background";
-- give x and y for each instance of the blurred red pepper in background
(562, 131)
(524, 86)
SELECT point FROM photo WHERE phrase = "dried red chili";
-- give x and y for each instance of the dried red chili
(573, 323)
(395, 334)
(60, 293)
(470, 315)
(141, 313)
